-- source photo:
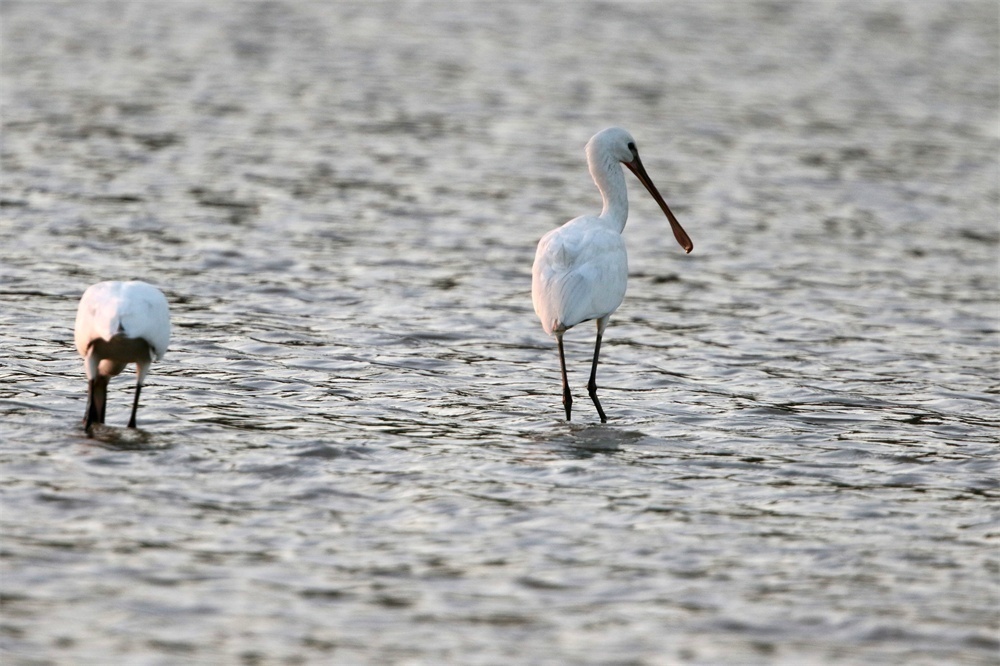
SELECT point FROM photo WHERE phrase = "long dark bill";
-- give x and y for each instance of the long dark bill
(97, 402)
(640, 172)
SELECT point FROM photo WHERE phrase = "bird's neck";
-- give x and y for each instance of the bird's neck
(610, 179)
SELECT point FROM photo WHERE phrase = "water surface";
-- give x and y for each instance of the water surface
(354, 451)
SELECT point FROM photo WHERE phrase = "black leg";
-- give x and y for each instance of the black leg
(102, 399)
(592, 384)
(567, 398)
(135, 406)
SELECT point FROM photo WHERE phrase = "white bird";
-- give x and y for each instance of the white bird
(581, 268)
(119, 323)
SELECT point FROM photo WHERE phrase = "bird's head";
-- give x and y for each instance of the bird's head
(618, 145)
(613, 142)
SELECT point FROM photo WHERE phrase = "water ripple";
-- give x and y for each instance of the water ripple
(355, 450)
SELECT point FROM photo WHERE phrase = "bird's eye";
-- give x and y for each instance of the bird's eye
(631, 146)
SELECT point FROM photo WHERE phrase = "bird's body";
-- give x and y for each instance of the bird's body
(581, 268)
(119, 323)
(581, 271)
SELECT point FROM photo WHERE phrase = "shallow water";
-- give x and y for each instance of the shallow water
(354, 451)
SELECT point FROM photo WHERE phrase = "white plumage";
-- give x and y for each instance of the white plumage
(580, 273)
(581, 268)
(119, 323)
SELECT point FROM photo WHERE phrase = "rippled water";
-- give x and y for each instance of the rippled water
(354, 450)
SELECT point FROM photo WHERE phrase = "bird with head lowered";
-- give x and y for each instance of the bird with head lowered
(118, 323)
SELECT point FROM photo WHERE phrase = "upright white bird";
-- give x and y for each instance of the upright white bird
(119, 323)
(581, 268)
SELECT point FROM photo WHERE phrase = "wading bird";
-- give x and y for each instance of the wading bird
(581, 268)
(119, 323)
